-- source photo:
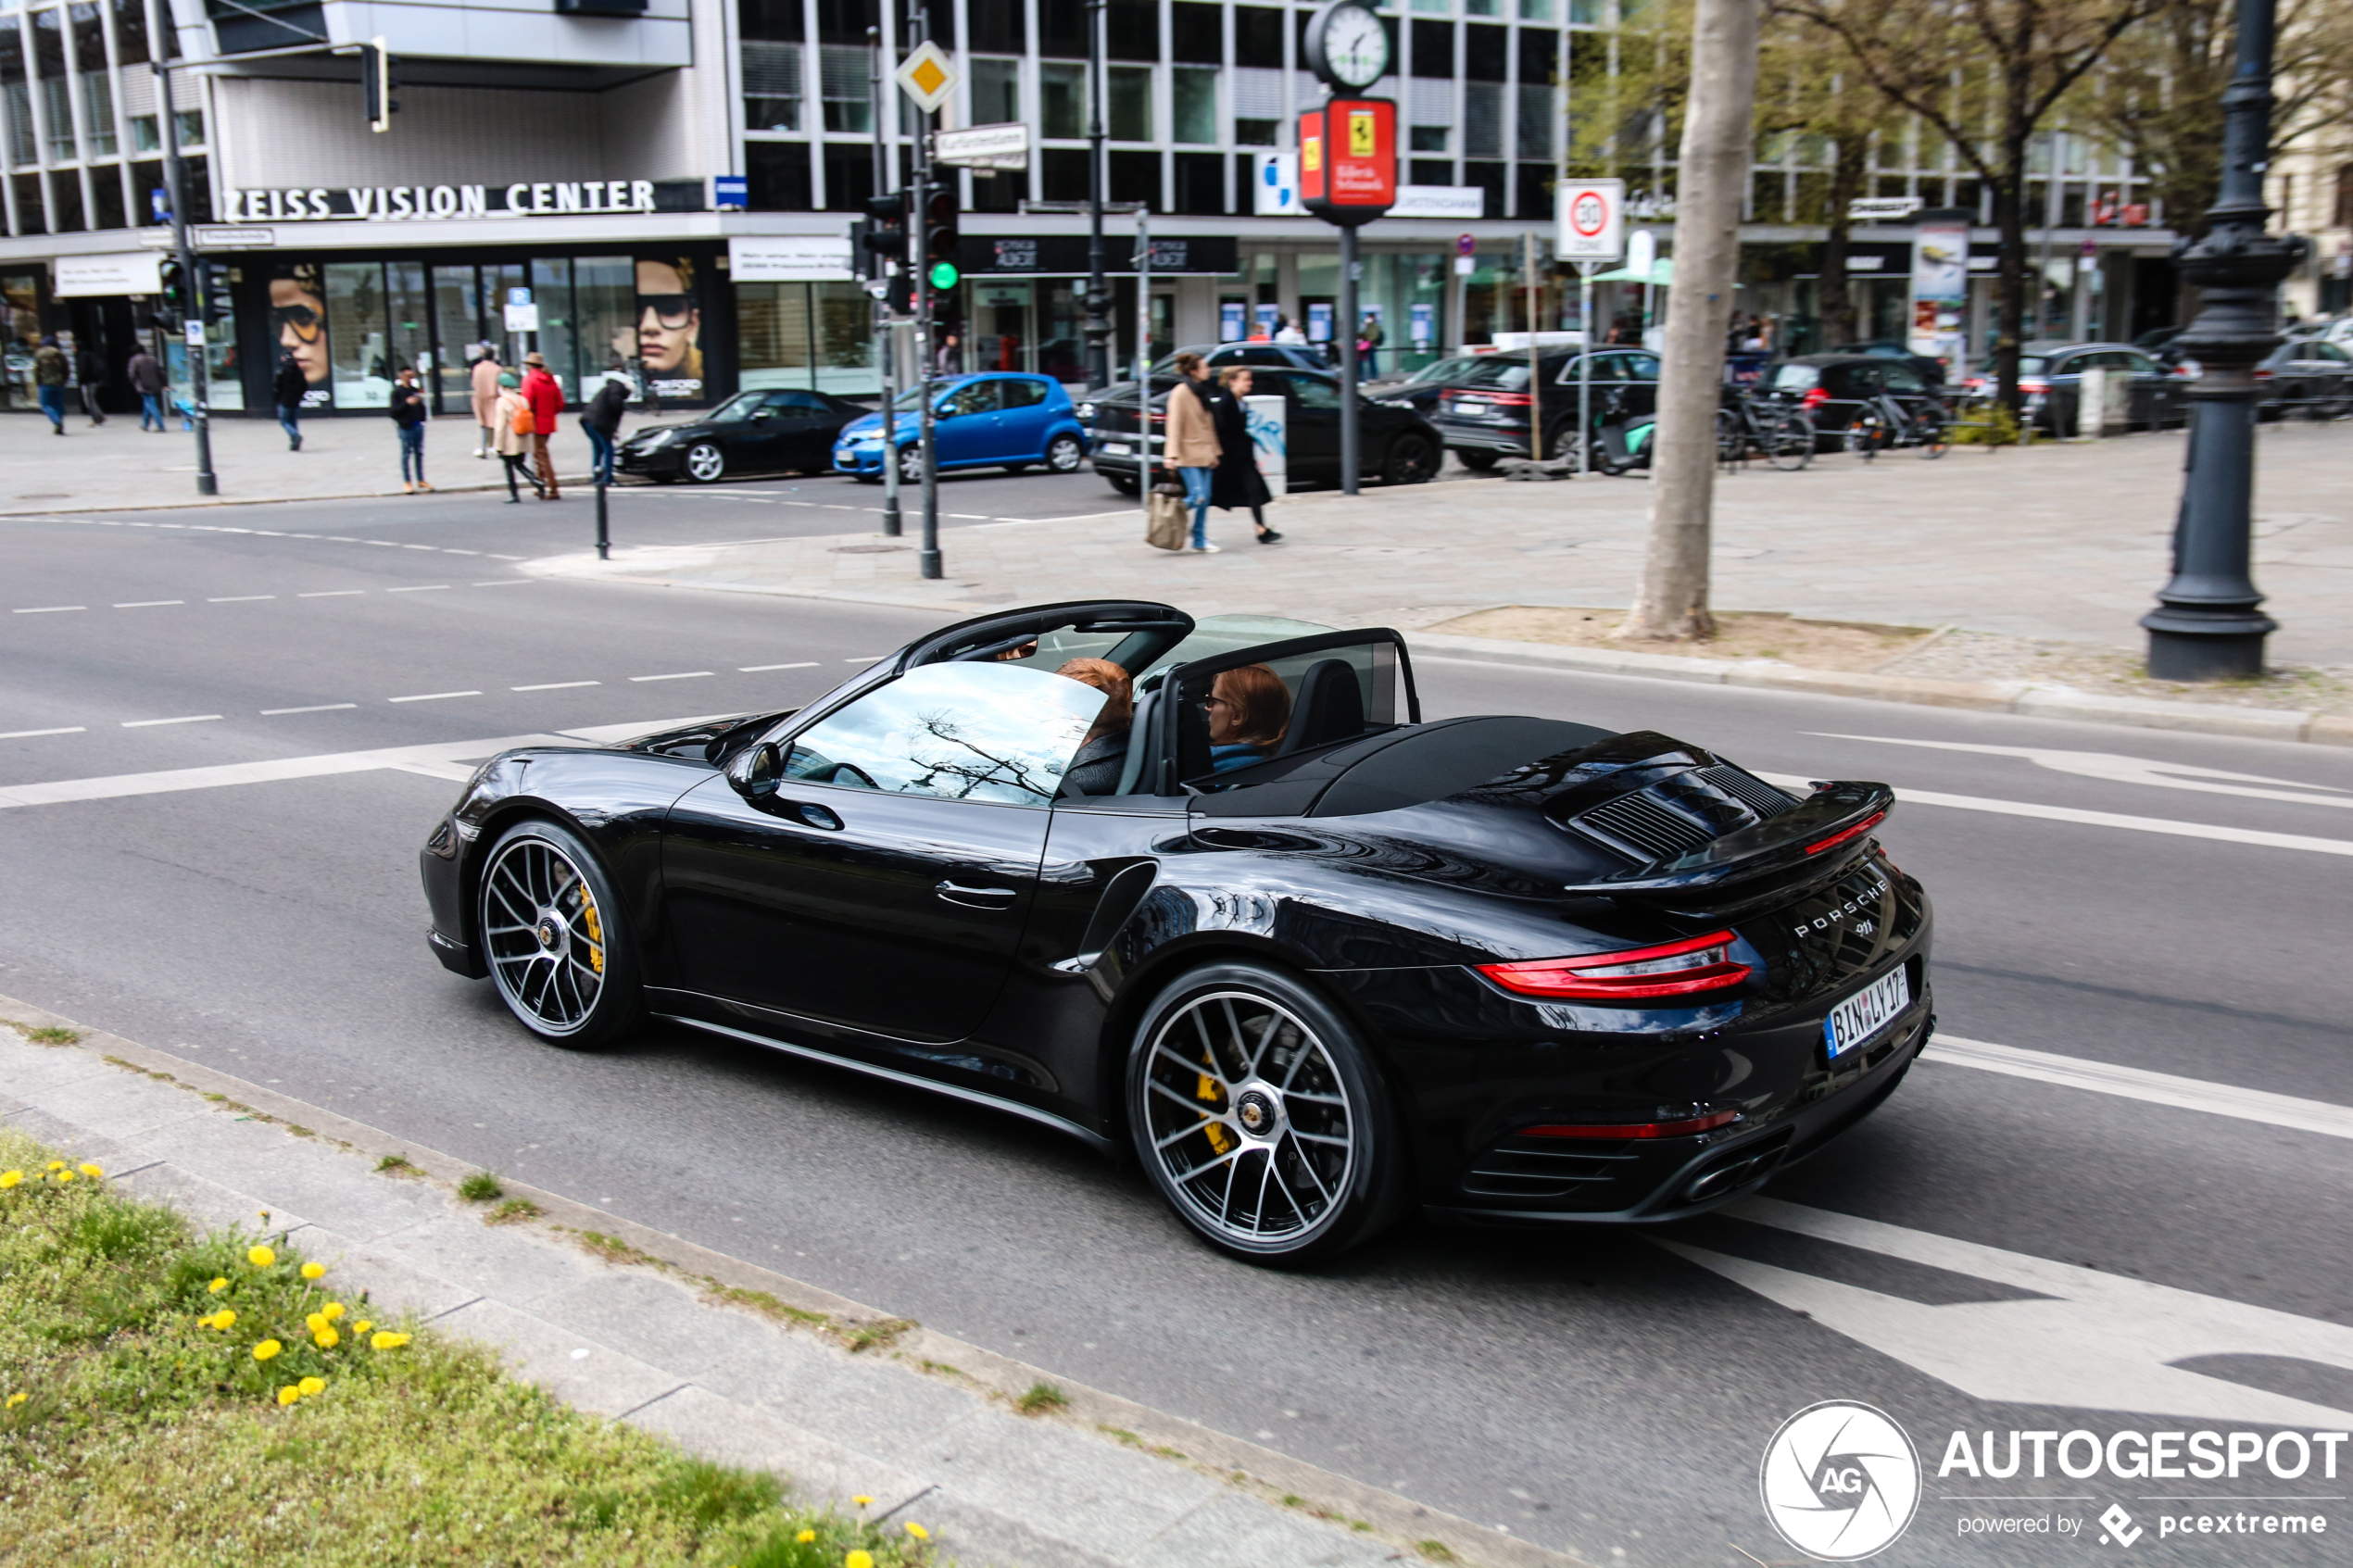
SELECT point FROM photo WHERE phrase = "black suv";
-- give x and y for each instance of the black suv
(1394, 445)
(1483, 410)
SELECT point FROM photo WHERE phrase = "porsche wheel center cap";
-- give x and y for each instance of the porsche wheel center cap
(1254, 1108)
(550, 935)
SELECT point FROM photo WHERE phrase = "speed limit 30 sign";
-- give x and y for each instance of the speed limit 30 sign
(1592, 215)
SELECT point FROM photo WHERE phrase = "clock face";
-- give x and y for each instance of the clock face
(1355, 48)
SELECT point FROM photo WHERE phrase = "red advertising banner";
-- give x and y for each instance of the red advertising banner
(1348, 159)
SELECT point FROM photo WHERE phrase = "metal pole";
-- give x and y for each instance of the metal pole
(1097, 328)
(604, 539)
(1585, 367)
(1349, 456)
(927, 308)
(175, 177)
(1535, 392)
(2207, 626)
(886, 336)
(1144, 340)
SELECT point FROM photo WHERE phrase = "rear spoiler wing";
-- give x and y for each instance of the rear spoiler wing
(1828, 827)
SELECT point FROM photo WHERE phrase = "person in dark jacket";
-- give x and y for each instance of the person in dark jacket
(1236, 481)
(147, 379)
(50, 372)
(93, 369)
(601, 419)
(409, 413)
(286, 390)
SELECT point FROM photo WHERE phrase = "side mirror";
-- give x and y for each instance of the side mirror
(762, 413)
(757, 772)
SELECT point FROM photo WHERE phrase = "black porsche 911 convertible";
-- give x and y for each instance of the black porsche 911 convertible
(1311, 959)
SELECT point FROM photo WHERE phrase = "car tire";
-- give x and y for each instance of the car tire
(1477, 460)
(1016, 467)
(705, 462)
(1124, 486)
(663, 478)
(1064, 453)
(1412, 459)
(910, 463)
(1264, 1038)
(556, 937)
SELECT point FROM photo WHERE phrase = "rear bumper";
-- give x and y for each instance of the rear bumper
(1482, 438)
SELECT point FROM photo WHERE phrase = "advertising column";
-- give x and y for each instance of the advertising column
(1348, 177)
(1940, 291)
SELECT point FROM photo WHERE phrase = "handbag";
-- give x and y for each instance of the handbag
(1165, 519)
(522, 424)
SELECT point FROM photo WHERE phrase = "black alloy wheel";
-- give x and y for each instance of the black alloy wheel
(1413, 459)
(1064, 453)
(1478, 458)
(1261, 1116)
(556, 938)
(1125, 484)
(705, 462)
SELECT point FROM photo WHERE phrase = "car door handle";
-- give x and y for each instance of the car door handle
(956, 893)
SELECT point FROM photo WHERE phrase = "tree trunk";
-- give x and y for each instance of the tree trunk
(2009, 217)
(1837, 299)
(1671, 605)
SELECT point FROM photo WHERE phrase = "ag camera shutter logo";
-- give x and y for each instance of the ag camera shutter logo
(1839, 1481)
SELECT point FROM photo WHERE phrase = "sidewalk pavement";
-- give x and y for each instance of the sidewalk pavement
(116, 465)
(2059, 542)
(730, 1360)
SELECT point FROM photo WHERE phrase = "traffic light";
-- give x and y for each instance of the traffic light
(942, 243)
(898, 296)
(218, 303)
(376, 84)
(886, 225)
(171, 302)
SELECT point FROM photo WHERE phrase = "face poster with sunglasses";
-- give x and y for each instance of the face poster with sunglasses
(669, 329)
(298, 322)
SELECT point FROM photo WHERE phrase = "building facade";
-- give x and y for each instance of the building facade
(584, 160)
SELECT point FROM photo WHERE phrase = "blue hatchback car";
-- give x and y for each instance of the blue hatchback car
(991, 420)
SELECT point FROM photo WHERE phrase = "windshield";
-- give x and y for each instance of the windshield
(1442, 370)
(739, 407)
(2032, 364)
(1495, 370)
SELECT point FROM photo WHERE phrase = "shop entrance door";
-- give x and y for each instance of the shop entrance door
(1002, 335)
(458, 336)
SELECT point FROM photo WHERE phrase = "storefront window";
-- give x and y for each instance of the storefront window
(817, 335)
(551, 291)
(604, 297)
(20, 302)
(356, 346)
(411, 346)
(299, 328)
(456, 315)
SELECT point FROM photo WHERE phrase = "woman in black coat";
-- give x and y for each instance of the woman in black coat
(1236, 481)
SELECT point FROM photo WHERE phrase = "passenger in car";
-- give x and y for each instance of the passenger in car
(1248, 709)
(1095, 767)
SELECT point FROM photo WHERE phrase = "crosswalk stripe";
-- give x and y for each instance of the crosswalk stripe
(2139, 1082)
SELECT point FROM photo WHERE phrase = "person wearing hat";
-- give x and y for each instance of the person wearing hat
(513, 448)
(546, 397)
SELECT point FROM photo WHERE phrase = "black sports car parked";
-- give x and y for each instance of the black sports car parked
(761, 431)
(1312, 958)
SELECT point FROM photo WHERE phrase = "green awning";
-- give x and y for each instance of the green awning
(1662, 275)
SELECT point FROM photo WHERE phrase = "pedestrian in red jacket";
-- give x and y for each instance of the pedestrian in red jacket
(546, 399)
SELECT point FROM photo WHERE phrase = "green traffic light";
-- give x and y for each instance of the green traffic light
(944, 275)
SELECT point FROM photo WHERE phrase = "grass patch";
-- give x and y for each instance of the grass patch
(612, 1249)
(874, 1335)
(137, 1426)
(48, 1034)
(1437, 1551)
(393, 1165)
(1126, 1437)
(1042, 1398)
(512, 1210)
(481, 1187)
(941, 1369)
(762, 1302)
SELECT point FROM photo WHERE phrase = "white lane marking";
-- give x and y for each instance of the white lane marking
(452, 550)
(241, 598)
(758, 668)
(972, 516)
(49, 609)
(2097, 1342)
(420, 547)
(837, 507)
(267, 533)
(332, 594)
(681, 675)
(504, 583)
(2103, 819)
(555, 686)
(387, 544)
(149, 604)
(183, 718)
(419, 588)
(2156, 1088)
(431, 697)
(316, 708)
(28, 734)
(2117, 769)
(875, 659)
(495, 556)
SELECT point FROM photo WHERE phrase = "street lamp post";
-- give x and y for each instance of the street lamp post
(193, 288)
(2207, 626)
(1098, 327)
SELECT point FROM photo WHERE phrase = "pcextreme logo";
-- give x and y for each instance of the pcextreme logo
(1840, 1481)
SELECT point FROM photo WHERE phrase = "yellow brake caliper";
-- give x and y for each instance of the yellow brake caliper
(1207, 1089)
(595, 932)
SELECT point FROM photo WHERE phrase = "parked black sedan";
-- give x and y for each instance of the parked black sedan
(1312, 959)
(1394, 445)
(1483, 413)
(765, 432)
(1836, 389)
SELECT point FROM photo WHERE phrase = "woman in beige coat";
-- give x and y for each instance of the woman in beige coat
(1192, 444)
(486, 390)
(513, 448)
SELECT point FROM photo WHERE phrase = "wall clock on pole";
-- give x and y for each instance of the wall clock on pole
(1348, 46)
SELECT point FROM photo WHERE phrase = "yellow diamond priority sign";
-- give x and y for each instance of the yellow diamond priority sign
(927, 77)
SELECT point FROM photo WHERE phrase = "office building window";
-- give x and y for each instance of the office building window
(1061, 92)
(1130, 102)
(1197, 34)
(849, 176)
(1433, 172)
(1200, 183)
(1257, 132)
(145, 137)
(998, 190)
(49, 53)
(191, 124)
(1193, 103)
(1535, 193)
(1482, 120)
(1534, 137)
(778, 176)
(30, 218)
(1488, 177)
(1433, 50)
(849, 105)
(996, 91)
(1134, 177)
(1131, 29)
(1427, 138)
(996, 26)
(1486, 52)
(1065, 173)
(771, 85)
(1258, 37)
(1061, 29)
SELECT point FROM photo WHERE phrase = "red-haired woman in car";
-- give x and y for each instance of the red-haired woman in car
(1248, 709)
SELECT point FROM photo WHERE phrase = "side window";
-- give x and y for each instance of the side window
(1313, 392)
(1854, 381)
(973, 398)
(1902, 377)
(1024, 394)
(1640, 367)
(2331, 352)
(799, 404)
(2139, 364)
(982, 730)
(1605, 368)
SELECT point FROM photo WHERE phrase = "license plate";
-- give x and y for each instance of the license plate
(1867, 1013)
(1111, 450)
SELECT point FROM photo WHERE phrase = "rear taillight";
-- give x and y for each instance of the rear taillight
(1816, 397)
(1679, 1127)
(1675, 969)
(2262, 374)
(2032, 384)
(1507, 399)
(1834, 840)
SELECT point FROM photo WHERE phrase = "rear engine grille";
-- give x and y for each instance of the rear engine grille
(1640, 827)
(1540, 1168)
(1748, 789)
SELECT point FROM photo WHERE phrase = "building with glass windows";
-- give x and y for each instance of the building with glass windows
(663, 188)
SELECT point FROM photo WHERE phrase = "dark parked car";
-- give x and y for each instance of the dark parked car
(1498, 969)
(1834, 388)
(1928, 365)
(994, 420)
(1421, 389)
(1274, 356)
(1482, 414)
(763, 431)
(2050, 377)
(1394, 445)
(2305, 376)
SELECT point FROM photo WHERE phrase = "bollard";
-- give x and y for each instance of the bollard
(604, 540)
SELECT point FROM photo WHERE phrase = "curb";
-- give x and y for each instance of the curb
(1099, 1415)
(579, 481)
(2023, 697)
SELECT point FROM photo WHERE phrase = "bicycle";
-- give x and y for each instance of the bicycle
(1783, 437)
(1883, 426)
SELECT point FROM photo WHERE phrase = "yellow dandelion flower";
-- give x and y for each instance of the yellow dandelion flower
(10, 1178)
(266, 1349)
(389, 1341)
(363, 1325)
(92, 1172)
(217, 1286)
(223, 1319)
(56, 1165)
(332, 1311)
(313, 1270)
(862, 1501)
(289, 1394)
(316, 1322)
(804, 1537)
(859, 1560)
(918, 1531)
(327, 1338)
(260, 1257)
(16, 1399)
(64, 1176)
(313, 1386)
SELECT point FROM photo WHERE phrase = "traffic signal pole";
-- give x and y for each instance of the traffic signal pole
(175, 178)
(886, 333)
(926, 310)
